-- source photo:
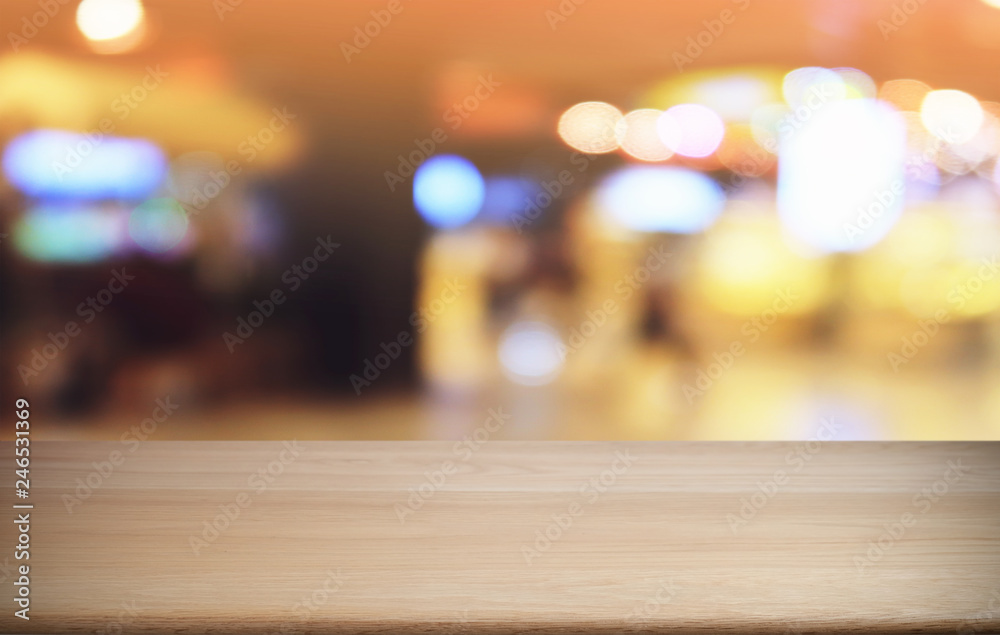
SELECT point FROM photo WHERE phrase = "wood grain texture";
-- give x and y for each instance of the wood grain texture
(642, 537)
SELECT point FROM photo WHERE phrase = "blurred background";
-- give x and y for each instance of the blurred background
(561, 219)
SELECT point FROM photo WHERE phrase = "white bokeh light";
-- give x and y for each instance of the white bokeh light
(101, 20)
(530, 353)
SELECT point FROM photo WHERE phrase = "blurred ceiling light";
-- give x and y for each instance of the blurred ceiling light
(841, 176)
(904, 94)
(590, 127)
(182, 113)
(691, 130)
(733, 93)
(638, 137)
(992, 3)
(158, 225)
(60, 164)
(448, 191)
(71, 233)
(660, 199)
(530, 353)
(112, 26)
(951, 115)
(734, 97)
(811, 87)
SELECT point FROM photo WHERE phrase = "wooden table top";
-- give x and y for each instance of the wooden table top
(503, 537)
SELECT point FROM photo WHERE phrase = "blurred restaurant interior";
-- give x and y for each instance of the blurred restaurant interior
(551, 219)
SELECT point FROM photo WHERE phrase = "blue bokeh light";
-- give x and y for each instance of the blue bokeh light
(448, 191)
(661, 199)
(56, 164)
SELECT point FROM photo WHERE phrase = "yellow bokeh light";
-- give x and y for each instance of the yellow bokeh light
(746, 261)
(103, 20)
(590, 127)
(637, 134)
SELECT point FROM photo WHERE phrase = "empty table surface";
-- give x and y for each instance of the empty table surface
(502, 537)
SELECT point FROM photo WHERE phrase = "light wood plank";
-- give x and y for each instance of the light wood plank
(322, 549)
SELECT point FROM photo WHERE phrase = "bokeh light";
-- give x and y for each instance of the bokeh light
(951, 115)
(841, 180)
(102, 20)
(448, 191)
(745, 262)
(60, 164)
(590, 127)
(857, 83)
(530, 354)
(660, 199)
(691, 130)
(70, 233)
(158, 225)
(812, 86)
(638, 137)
